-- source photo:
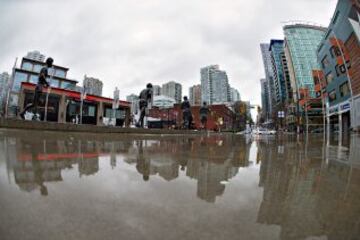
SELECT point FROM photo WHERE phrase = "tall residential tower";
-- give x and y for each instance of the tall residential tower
(215, 86)
(173, 90)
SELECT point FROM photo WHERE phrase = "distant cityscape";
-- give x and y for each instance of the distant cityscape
(68, 99)
(312, 76)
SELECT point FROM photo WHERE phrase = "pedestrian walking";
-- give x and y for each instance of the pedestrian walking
(187, 116)
(204, 111)
(145, 98)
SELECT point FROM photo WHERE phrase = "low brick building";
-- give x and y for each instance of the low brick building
(220, 117)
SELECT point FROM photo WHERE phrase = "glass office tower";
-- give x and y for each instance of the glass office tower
(301, 44)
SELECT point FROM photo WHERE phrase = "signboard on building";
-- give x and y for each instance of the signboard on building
(345, 106)
(281, 114)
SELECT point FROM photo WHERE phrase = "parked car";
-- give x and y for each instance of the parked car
(263, 131)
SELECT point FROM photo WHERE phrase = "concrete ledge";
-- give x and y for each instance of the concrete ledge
(67, 127)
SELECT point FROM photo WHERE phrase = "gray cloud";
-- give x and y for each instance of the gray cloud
(127, 43)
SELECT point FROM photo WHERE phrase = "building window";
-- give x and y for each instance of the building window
(54, 83)
(332, 96)
(18, 79)
(108, 113)
(51, 71)
(336, 17)
(37, 68)
(60, 73)
(344, 89)
(27, 66)
(14, 99)
(67, 85)
(89, 110)
(325, 62)
(329, 78)
(120, 114)
(34, 79)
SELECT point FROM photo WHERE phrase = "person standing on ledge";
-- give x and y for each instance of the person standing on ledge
(185, 107)
(38, 89)
(204, 111)
(145, 98)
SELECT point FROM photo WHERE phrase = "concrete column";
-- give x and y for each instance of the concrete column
(99, 115)
(62, 110)
(21, 100)
(127, 117)
(340, 123)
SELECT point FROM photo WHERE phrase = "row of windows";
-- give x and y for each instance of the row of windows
(37, 67)
(344, 91)
(23, 77)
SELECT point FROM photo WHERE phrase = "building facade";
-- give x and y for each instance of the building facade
(265, 99)
(92, 86)
(134, 103)
(68, 106)
(277, 49)
(162, 101)
(269, 77)
(173, 90)
(288, 89)
(215, 86)
(156, 90)
(36, 55)
(234, 95)
(339, 54)
(195, 95)
(301, 43)
(221, 117)
(29, 72)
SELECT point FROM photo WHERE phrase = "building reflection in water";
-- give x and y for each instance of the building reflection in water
(37, 160)
(311, 188)
(209, 160)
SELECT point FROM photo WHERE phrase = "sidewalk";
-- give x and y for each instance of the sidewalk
(67, 127)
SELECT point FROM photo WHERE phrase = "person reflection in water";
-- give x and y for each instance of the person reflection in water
(143, 163)
(38, 172)
(186, 149)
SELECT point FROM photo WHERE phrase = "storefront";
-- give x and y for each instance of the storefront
(64, 106)
(339, 117)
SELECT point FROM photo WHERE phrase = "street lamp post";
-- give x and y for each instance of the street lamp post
(83, 96)
(9, 87)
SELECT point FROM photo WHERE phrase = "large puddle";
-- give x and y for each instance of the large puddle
(79, 186)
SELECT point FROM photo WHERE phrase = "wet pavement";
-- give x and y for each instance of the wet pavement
(86, 186)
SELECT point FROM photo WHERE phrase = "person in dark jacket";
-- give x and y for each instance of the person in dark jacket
(145, 97)
(187, 117)
(44, 73)
(204, 111)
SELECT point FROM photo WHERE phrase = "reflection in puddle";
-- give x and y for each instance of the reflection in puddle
(310, 187)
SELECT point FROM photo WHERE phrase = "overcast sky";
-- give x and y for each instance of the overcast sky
(128, 43)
